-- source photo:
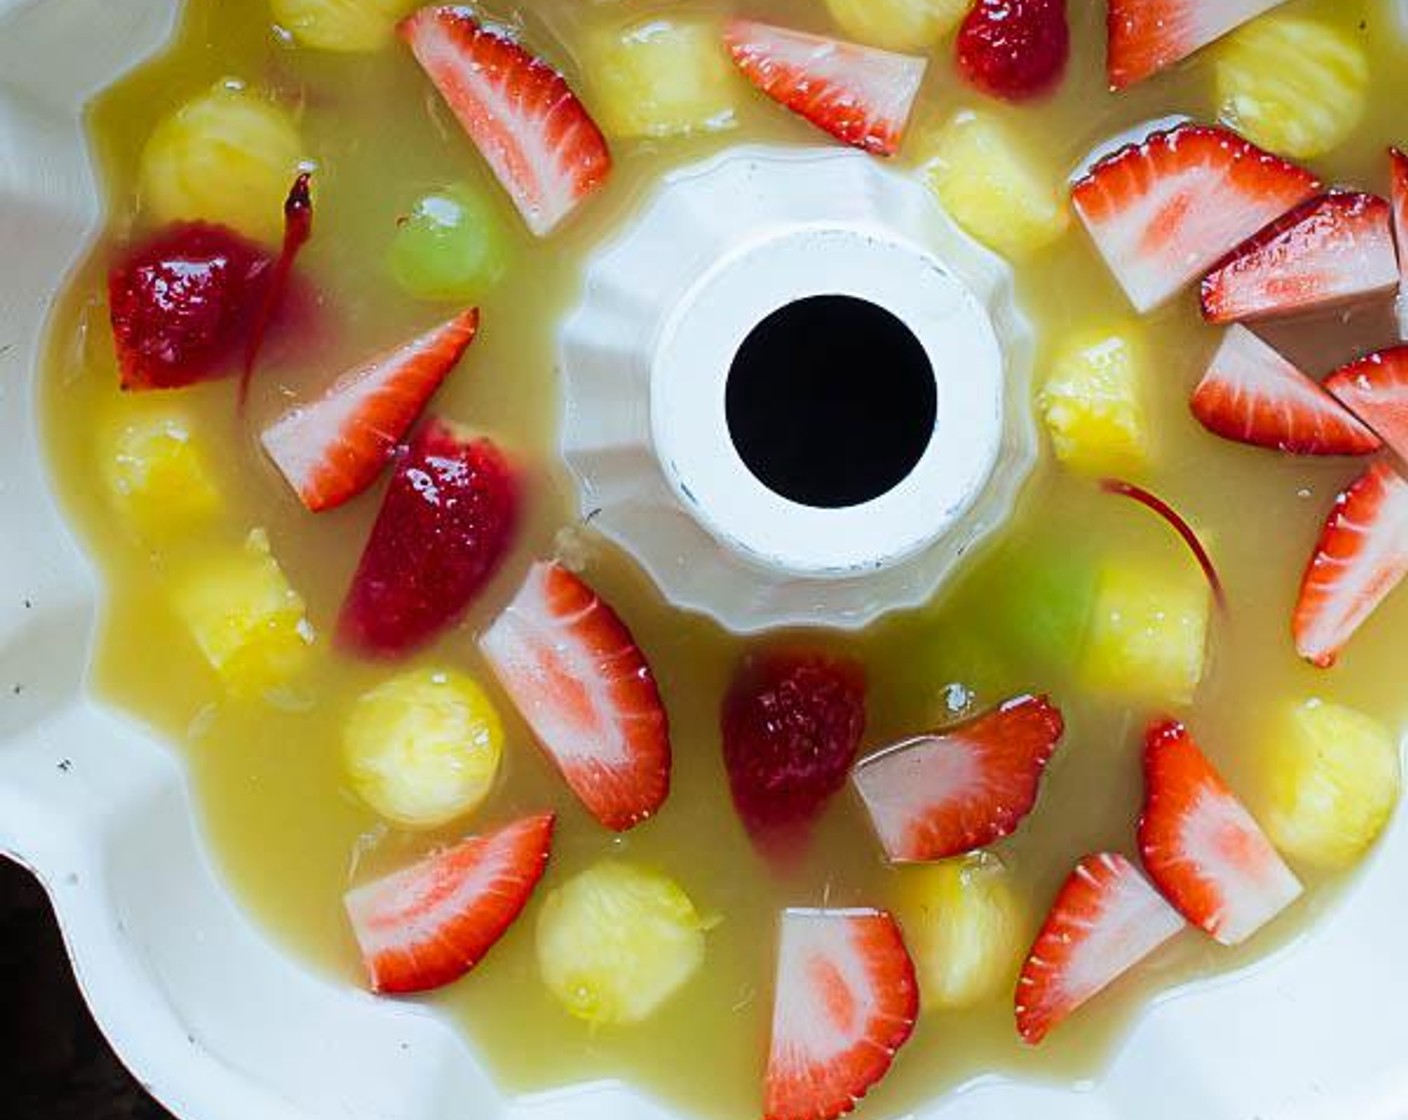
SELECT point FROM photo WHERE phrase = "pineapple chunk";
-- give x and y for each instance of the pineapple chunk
(1294, 85)
(424, 748)
(248, 622)
(228, 156)
(992, 187)
(965, 928)
(662, 77)
(341, 25)
(1148, 636)
(617, 941)
(1332, 781)
(898, 25)
(156, 474)
(1092, 404)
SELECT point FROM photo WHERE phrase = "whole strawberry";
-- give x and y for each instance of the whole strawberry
(1014, 49)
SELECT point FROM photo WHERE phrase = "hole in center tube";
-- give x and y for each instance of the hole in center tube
(831, 402)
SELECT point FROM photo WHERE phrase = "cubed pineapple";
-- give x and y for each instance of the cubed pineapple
(1149, 633)
(993, 187)
(247, 620)
(1295, 85)
(898, 25)
(662, 77)
(341, 25)
(1331, 776)
(966, 930)
(156, 473)
(1093, 405)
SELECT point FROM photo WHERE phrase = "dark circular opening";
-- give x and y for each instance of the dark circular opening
(831, 402)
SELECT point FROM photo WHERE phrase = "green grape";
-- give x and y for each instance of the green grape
(452, 247)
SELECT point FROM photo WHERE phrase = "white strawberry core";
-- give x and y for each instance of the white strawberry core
(914, 781)
(825, 998)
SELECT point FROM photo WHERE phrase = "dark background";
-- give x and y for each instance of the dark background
(54, 1064)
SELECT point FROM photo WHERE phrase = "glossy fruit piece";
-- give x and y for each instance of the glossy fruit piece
(949, 793)
(1334, 249)
(423, 748)
(1093, 402)
(1014, 49)
(1164, 211)
(298, 230)
(1360, 560)
(1200, 845)
(1105, 920)
(845, 1001)
(898, 25)
(993, 186)
(1398, 200)
(1252, 394)
(529, 126)
(1041, 598)
(1375, 389)
(577, 677)
(157, 473)
(1147, 36)
(860, 95)
(335, 447)
(446, 524)
(425, 927)
(452, 247)
(345, 26)
(617, 941)
(1294, 85)
(1179, 524)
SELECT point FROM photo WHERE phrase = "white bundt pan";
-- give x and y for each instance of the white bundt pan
(221, 1025)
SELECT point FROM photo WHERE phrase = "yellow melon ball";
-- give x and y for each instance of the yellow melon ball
(898, 25)
(342, 25)
(156, 473)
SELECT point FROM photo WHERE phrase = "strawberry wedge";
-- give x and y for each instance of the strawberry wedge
(1334, 249)
(334, 448)
(1105, 920)
(1398, 200)
(1375, 389)
(860, 95)
(1201, 846)
(520, 113)
(578, 678)
(942, 795)
(1164, 211)
(427, 926)
(1252, 394)
(1146, 36)
(846, 1001)
(1361, 558)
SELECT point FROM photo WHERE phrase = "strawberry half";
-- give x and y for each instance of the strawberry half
(1105, 920)
(1252, 394)
(860, 95)
(1361, 558)
(1331, 250)
(1201, 846)
(521, 114)
(943, 795)
(445, 525)
(1375, 388)
(427, 926)
(846, 1001)
(333, 449)
(1164, 211)
(1146, 36)
(575, 674)
(1398, 200)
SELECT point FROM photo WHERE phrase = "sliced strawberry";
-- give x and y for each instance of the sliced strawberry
(427, 926)
(861, 95)
(1334, 249)
(1164, 211)
(846, 1001)
(1105, 920)
(445, 525)
(1398, 199)
(1146, 36)
(333, 449)
(1252, 394)
(578, 678)
(1201, 846)
(1375, 388)
(942, 795)
(521, 114)
(1361, 558)
(1014, 49)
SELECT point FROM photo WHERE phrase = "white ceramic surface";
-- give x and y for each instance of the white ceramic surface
(223, 1026)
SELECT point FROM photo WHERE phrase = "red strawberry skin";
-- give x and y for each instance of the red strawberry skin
(1147, 36)
(427, 926)
(1014, 49)
(1375, 388)
(1360, 560)
(792, 724)
(446, 523)
(946, 794)
(578, 678)
(1398, 199)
